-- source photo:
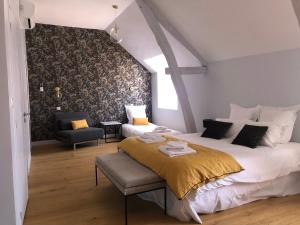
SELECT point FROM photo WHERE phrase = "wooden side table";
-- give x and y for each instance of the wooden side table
(117, 127)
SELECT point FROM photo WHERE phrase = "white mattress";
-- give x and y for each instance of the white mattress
(267, 173)
(130, 130)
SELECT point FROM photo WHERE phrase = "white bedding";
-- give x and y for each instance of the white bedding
(130, 130)
(267, 173)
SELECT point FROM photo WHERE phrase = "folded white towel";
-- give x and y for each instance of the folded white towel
(161, 128)
(177, 144)
(151, 138)
(176, 152)
(150, 135)
(176, 148)
(161, 131)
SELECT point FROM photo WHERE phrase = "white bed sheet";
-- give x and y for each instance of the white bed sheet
(225, 197)
(266, 169)
(130, 130)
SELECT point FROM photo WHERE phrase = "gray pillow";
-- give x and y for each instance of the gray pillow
(65, 124)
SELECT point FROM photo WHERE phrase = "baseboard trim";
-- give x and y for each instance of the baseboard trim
(46, 142)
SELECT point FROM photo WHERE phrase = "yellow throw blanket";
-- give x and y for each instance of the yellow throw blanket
(182, 173)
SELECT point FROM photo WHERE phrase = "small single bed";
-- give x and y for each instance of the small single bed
(268, 172)
(130, 130)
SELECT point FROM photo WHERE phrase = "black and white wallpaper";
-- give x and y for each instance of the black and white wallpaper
(94, 74)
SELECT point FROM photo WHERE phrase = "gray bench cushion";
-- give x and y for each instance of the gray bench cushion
(127, 174)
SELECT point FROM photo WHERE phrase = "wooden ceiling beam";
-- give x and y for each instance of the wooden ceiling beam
(189, 70)
(174, 32)
(176, 77)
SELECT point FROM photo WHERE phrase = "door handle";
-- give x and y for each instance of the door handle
(26, 114)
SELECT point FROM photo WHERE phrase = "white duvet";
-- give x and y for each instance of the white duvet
(260, 164)
(264, 168)
(130, 130)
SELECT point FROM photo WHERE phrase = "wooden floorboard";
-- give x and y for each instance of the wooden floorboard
(62, 191)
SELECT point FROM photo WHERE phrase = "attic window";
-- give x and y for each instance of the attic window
(166, 94)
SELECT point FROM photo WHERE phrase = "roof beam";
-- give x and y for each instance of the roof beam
(172, 30)
(296, 5)
(189, 70)
(176, 77)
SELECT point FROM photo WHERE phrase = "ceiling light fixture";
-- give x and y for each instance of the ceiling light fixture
(115, 33)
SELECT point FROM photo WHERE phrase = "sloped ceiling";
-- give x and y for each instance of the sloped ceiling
(222, 30)
(96, 14)
(218, 29)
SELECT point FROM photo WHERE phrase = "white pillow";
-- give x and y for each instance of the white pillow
(271, 138)
(133, 111)
(241, 113)
(236, 127)
(284, 117)
(273, 134)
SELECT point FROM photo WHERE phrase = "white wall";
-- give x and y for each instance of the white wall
(13, 159)
(140, 42)
(269, 79)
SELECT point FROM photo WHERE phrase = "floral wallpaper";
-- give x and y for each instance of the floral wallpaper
(94, 74)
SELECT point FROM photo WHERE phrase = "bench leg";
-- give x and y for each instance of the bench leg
(125, 210)
(165, 195)
(96, 174)
(74, 147)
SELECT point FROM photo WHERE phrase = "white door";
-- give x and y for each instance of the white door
(25, 101)
(18, 105)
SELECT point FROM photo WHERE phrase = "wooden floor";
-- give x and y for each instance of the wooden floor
(62, 191)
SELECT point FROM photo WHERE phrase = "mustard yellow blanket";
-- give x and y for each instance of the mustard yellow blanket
(182, 173)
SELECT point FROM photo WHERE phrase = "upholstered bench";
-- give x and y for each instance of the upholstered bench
(129, 176)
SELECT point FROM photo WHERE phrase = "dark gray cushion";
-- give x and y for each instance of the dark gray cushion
(65, 124)
(80, 135)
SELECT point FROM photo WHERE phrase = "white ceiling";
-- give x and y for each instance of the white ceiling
(222, 30)
(218, 29)
(96, 14)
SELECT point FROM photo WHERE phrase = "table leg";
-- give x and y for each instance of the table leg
(105, 134)
(126, 210)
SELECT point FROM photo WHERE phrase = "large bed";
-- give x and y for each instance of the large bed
(269, 163)
(268, 172)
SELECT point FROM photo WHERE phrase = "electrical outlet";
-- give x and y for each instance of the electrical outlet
(41, 89)
(58, 108)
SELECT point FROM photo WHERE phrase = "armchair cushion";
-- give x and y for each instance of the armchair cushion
(80, 135)
(65, 124)
(63, 119)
